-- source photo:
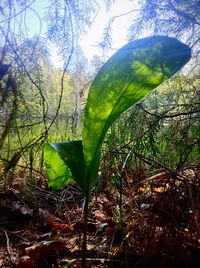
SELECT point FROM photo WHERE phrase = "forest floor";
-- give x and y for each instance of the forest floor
(132, 227)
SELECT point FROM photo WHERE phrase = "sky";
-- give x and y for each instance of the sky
(119, 29)
(89, 42)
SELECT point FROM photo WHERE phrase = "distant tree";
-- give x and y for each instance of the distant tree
(79, 77)
(96, 63)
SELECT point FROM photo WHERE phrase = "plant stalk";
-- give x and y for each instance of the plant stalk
(84, 245)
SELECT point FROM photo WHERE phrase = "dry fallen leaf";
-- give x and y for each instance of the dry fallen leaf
(45, 248)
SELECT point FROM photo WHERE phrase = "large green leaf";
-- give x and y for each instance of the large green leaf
(57, 172)
(71, 152)
(129, 75)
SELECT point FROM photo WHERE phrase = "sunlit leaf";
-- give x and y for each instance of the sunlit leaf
(71, 153)
(129, 75)
(57, 171)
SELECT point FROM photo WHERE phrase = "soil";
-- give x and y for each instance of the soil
(41, 228)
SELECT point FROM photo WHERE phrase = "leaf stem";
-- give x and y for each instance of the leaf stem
(84, 245)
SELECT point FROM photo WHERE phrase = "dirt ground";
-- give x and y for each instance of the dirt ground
(40, 228)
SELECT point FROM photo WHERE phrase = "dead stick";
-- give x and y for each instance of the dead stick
(7, 244)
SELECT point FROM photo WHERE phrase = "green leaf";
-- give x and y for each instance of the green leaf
(57, 172)
(71, 152)
(129, 75)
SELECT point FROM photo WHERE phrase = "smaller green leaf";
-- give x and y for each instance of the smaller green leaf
(57, 171)
(71, 152)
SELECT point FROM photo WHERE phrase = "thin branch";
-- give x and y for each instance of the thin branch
(20, 12)
(66, 65)
(7, 245)
(163, 116)
(30, 78)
